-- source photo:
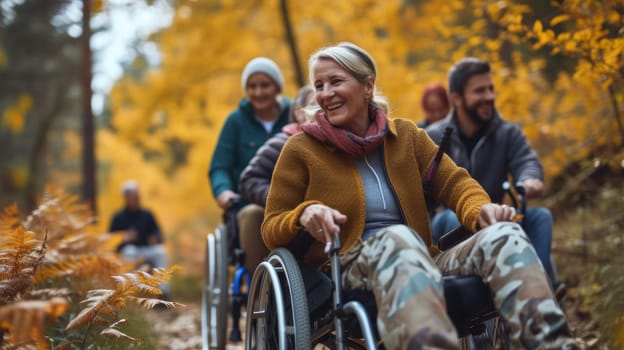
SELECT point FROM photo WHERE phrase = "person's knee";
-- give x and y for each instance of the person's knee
(250, 220)
(541, 215)
(250, 212)
(501, 230)
(509, 241)
(156, 256)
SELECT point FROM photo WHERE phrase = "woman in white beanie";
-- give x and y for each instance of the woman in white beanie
(260, 114)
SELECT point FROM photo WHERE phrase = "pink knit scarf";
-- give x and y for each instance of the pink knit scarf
(352, 144)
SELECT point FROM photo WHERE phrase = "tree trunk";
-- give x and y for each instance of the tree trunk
(36, 157)
(292, 43)
(617, 114)
(88, 144)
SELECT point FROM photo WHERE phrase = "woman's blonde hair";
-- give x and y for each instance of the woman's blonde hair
(303, 95)
(355, 61)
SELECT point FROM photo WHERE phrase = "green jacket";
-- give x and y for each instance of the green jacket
(241, 136)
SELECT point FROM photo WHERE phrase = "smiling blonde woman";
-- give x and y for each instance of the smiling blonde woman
(355, 173)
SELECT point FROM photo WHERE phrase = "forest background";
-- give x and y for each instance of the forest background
(558, 68)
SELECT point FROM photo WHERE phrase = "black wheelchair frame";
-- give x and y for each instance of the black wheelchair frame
(295, 306)
(223, 250)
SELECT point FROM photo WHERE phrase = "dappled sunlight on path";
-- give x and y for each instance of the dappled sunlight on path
(180, 329)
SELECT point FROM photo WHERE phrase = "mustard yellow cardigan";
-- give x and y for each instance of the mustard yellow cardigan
(309, 172)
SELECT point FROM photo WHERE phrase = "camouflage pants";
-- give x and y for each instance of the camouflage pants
(406, 281)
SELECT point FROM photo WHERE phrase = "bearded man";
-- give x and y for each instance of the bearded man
(492, 149)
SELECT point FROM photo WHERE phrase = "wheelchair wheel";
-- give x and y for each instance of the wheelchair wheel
(215, 292)
(277, 309)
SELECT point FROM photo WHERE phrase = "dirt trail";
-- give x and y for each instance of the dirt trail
(181, 329)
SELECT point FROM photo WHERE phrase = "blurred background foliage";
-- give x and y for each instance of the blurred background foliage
(558, 70)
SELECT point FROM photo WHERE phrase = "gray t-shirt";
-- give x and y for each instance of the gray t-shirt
(382, 208)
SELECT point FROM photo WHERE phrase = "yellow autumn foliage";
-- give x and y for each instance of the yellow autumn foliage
(166, 121)
(14, 116)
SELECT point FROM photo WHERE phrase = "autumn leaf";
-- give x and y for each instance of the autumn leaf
(14, 116)
(559, 19)
(117, 334)
(537, 27)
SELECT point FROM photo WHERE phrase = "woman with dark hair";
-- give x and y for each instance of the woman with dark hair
(435, 104)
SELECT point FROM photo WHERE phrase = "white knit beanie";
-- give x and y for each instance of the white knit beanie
(266, 66)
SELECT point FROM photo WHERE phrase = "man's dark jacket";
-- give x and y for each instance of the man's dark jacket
(141, 220)
(502, 150)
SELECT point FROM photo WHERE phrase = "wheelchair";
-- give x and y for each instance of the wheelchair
(222, 252)
(295, 306)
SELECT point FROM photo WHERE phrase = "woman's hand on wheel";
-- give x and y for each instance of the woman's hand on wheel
(225, 199)
(322, 222)
(493, 213)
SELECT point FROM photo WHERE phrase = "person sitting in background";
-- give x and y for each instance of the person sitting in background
(262, 113)
(355, 173)
(434, 103)
(491, 149)
(141, 235)
(256, 178)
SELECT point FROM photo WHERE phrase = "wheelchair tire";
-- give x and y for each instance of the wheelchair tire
(277, 314)
(215, 292)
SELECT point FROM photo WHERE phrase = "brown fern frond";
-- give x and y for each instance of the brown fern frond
(97, 301)
(150, 303)
(87, 243)
(100, 321)
(107, 301)
(164, 274)
(61, 212)
(48, 293)
(21, 253)
(83, 267)
(112, 332)
(136, 282)
(16, 244)
(26, 320)
(12, 289)
(9, 220)
(117, 334)
(66, 345)
(118, 322)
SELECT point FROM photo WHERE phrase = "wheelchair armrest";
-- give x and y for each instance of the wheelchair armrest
(453, 237)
